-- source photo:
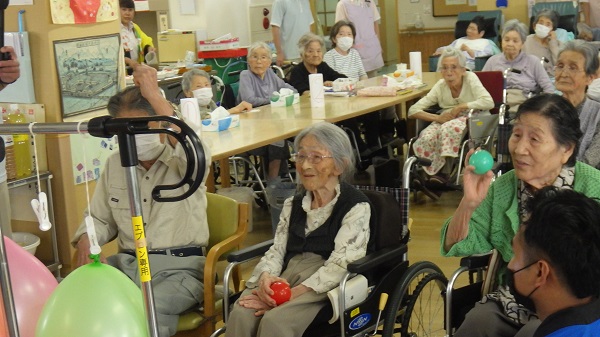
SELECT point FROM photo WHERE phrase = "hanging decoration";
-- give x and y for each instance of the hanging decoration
(83, 11)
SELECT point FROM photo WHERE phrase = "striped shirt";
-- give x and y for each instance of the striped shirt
(349, 65)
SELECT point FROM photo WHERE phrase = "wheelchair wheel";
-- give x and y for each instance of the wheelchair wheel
(399, 300)
(424, 315)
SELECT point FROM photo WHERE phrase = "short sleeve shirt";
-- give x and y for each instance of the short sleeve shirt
(293, 17)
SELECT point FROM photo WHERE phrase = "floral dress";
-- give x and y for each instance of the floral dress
(438, 141)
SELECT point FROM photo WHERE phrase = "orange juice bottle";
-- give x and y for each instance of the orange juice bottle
(21, 145)
(11, 168)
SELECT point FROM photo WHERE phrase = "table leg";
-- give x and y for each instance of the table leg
(224, 165)
(210, 181)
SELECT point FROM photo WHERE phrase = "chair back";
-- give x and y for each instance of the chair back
(222, 215)
(568, 12)
(493, 81)
(493, 20)
(388, 229)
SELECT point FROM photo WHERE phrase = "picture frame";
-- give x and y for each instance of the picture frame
(452, 7)
(88, 72)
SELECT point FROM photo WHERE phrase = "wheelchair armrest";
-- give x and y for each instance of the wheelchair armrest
(249, 253)
(376, 259)
(475, 261)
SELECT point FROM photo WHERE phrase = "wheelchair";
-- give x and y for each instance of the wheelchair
(387, 271)
(493, 21)
(488, 131)
(481, 270)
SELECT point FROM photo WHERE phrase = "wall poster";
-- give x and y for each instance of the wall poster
(88, 72)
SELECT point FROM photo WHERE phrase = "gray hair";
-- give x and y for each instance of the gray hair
(258, 45)
(515, 25)
(188, 76)
(306, 40)
(587, 50)
(452, 52)
(336, 141)
(552, 15)
(127, 100)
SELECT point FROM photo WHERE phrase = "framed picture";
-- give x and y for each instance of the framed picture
(88, 72)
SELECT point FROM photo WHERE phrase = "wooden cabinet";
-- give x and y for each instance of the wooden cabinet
(423, 40)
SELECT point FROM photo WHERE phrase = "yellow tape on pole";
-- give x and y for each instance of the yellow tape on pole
(140, 247)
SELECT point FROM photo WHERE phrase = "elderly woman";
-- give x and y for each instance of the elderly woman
(544, 42)
(575, 70)
(532, 76)
(196, 83)
(322, 229)
(455, 94)
(258, 84)
(311, 51)
(543, 147)
(473, 44)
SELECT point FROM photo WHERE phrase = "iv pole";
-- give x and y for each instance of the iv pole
(125, 129)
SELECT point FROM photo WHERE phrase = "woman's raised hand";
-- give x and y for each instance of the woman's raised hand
(475, 186)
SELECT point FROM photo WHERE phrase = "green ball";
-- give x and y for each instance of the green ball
(482, 160)
(274, 97)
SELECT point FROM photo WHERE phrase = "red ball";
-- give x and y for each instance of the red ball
(282, 292)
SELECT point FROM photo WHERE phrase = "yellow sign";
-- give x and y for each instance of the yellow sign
(140, 248)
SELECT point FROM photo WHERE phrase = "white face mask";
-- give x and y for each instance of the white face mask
(148, 146)
(345, 43)
(203, 95)
(542, 31)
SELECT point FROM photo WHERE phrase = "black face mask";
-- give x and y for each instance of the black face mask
(521, 299)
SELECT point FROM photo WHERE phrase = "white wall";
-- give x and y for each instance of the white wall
(407, 11)
(216, 17)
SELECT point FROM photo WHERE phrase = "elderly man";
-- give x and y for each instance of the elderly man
(556, 266)
(175, 231)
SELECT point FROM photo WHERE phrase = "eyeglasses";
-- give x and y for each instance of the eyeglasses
(260, 58)
(567, 70)
(451, 68)
(312, 158)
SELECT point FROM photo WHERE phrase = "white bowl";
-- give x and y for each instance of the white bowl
(27, 240)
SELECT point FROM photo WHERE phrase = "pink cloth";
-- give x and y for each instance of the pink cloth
(366, 43)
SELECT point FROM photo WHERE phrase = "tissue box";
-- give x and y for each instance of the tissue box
(221, 124)
(344, 84)
(287, 100)
(210, 45)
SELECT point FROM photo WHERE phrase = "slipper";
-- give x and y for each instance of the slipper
(420, 187)
(438, 180)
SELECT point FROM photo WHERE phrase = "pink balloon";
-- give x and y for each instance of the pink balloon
(32, 284)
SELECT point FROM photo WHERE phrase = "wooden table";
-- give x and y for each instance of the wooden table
(340, 108)
(271, 124)
(251, 134)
